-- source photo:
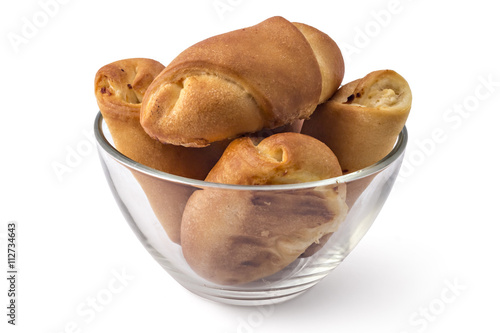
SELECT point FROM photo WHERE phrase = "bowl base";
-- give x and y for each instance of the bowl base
(274, 289)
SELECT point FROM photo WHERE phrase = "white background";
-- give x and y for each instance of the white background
(428, 264)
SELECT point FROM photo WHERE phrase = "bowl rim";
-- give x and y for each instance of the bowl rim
(391, 157)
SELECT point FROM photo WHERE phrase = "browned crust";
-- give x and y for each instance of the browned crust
(271, 62)
(235, 237)
(329, 57)
(231, 237)
(120, 86)
(285, 158)
(359, 131)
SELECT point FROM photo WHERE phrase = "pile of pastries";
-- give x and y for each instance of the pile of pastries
(261, 105)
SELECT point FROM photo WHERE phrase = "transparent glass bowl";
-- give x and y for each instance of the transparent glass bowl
(140, 191)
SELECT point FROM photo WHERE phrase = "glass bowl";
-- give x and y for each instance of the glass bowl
(153, 203)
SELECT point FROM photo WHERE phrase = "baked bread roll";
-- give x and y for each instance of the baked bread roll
(119, 89)
(284, 158)
(264, 76)
(363, 119)
(233, 237)
(361, 123)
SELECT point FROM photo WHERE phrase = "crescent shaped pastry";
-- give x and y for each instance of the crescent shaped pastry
(119, 89)
(234, 237)
(363, 119)
(265, 76)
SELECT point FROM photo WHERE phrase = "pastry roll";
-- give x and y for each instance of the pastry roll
(234, 237)
(265, 76)
(119, 90)
(363, 119)
(361, 123)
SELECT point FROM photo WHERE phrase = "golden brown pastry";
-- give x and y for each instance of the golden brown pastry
(120, 86)
(119, 89)
(234, 237)
(363, 119)
(264, 76)
(285, 158)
